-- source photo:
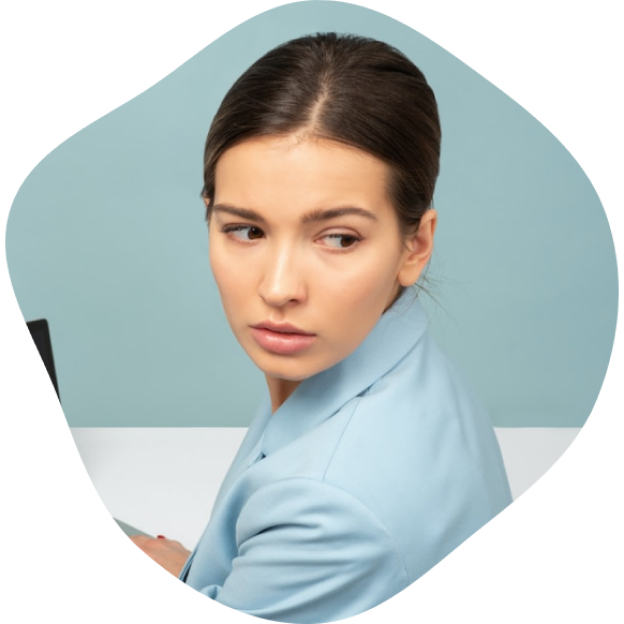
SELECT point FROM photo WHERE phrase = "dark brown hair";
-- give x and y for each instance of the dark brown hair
(351, 89)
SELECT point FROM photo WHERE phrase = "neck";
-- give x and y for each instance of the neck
(280, 390)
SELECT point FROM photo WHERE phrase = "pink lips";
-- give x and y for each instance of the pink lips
(284, 339)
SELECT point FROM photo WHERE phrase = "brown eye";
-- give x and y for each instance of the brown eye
(347, 241)
(243, 233)
(341, 241)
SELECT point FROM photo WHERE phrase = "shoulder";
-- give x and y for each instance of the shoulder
(420, 411)
(420, 452)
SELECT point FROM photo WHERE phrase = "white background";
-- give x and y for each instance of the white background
(553, 556)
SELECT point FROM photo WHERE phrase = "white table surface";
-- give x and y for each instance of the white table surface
(164, 480)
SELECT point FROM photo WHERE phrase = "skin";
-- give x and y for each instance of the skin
(332, 277)
(279, 256)
(169, 554)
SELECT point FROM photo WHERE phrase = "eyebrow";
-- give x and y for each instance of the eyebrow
(311, 217)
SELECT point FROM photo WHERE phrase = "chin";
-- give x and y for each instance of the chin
(286, 367)
(285, 372)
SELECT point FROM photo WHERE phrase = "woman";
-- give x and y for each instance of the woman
(370, 459)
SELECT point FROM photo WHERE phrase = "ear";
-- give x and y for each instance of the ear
(419, 249)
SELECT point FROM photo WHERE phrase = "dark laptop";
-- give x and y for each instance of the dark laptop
(40, 332)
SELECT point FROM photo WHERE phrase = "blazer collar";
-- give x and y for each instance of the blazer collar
(319, 397)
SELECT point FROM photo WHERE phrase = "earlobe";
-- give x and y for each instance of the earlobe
(419, 250)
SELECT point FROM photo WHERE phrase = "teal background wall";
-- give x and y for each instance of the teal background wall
(106, 240)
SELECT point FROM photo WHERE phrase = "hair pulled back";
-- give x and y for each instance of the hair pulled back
(355, 90)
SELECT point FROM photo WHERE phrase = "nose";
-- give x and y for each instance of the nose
(282, 280)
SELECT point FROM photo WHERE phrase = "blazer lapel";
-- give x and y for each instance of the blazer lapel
(319, 397)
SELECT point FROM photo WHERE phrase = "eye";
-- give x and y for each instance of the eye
(243, 232)
(340, 241)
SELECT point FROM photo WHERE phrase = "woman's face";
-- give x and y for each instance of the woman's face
(305, 250)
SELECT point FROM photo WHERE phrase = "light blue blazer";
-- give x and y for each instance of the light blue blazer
(366, 477)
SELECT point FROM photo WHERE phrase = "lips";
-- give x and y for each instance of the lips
(281, 339)
(282, 328)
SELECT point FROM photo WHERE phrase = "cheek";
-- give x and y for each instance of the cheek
(355, 300)
(226, 274)
(361, 285)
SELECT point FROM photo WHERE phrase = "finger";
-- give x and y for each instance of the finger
(139, 540)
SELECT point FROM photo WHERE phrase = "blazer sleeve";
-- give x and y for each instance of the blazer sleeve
(309, 552)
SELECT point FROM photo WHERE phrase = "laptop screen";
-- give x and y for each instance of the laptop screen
(41, 336)
(40, 333)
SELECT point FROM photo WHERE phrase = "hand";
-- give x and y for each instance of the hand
(167, 553)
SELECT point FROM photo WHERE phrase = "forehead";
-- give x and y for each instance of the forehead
(300, 174)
